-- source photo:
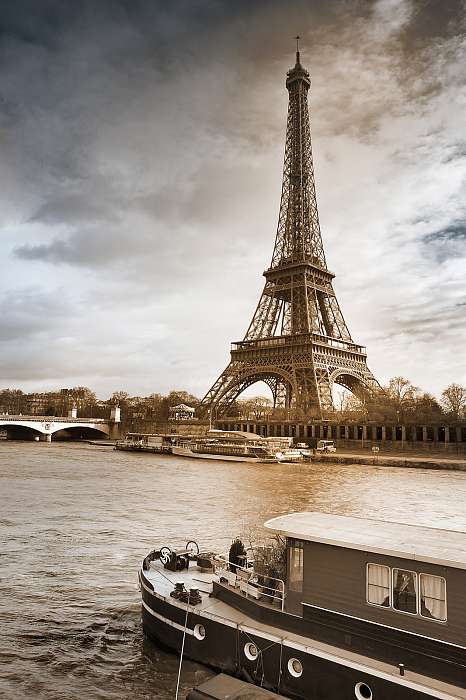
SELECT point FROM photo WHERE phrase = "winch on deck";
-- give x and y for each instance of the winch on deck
(173, 559)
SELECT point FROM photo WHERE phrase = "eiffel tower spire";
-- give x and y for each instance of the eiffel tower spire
(298, 234)
(297, 341)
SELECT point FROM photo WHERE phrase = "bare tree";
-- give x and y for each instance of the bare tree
(402, 396)
(453, 398)
(119, 397)
(401, 391)
(256, 408)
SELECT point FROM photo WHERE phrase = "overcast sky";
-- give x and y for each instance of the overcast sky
(141, 162)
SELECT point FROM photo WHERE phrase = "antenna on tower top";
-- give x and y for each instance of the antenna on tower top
(297, 48)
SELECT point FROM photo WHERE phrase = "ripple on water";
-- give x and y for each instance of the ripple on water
(77, 520)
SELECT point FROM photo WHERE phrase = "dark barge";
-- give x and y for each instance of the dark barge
(368, 610)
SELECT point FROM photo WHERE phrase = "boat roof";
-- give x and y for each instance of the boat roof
(215, 432)
(416, 542)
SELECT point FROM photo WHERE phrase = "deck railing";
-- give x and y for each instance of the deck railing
(247, 580)
(297, 339)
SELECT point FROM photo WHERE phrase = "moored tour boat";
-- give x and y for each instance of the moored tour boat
(363, 609)
(228, 445)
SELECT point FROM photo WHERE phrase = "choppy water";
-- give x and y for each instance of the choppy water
(76, 520)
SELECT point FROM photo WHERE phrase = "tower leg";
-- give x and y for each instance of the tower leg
(324, 387)
(288, 397)
(279, 395)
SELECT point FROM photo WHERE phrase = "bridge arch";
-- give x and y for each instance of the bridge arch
(83, 432)
(16, 431)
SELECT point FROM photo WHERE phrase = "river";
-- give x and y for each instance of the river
(76, 521)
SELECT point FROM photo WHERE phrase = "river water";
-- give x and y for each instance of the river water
(76, 521)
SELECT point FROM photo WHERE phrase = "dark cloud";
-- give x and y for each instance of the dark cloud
(456, 231)
(75, 208)
(446, 243)
(26, 313)
(142, 146)
(432, 21)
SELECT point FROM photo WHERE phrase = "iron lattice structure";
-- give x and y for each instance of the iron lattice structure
(297, 342)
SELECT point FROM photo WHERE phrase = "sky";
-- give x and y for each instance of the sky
(141, 161)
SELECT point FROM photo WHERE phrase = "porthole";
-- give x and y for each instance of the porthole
(251, 652)
(362, 691)
(295, 667)
(199, 631)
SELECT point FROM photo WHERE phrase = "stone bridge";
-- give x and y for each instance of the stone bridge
(43, 427)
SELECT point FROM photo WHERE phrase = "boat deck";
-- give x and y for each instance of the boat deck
(163, 582)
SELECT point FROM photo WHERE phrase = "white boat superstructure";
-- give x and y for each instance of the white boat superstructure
(290, 455)
(226, 445)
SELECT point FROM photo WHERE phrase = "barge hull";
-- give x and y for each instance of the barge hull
(324, 675)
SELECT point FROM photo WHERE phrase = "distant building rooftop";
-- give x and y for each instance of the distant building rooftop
(181, 412)
(427, 544)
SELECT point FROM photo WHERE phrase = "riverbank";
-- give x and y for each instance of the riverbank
(394, 459)
(398, 460)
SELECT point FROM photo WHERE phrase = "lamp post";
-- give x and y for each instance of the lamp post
(364, 425)
(402, 431)
(211, 411)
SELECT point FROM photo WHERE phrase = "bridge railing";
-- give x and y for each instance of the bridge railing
(50, 419)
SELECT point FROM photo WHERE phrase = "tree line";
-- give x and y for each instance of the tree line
(59, 403)
(398, 403)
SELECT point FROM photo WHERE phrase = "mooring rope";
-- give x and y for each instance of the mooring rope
(182, 651)
(280, 666)
(260, 656)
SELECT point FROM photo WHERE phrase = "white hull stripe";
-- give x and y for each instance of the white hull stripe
(319, 653)
(263, 635)
(166, 621)
(388, 627)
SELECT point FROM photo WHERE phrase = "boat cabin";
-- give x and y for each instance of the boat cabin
(146, 442)
(366, 609)
(399, 576)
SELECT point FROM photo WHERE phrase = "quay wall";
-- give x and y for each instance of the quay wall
(195, 428)
(447, 439)
(450, 439)
(422, 447)
(401, 460)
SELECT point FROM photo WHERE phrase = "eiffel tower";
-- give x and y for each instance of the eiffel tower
(297, 342)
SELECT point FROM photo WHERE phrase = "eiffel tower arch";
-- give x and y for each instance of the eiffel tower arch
(297, 342)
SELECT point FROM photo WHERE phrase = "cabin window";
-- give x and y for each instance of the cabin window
(433, 597)
(405, 591)
(378, 585)
(296, 566)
